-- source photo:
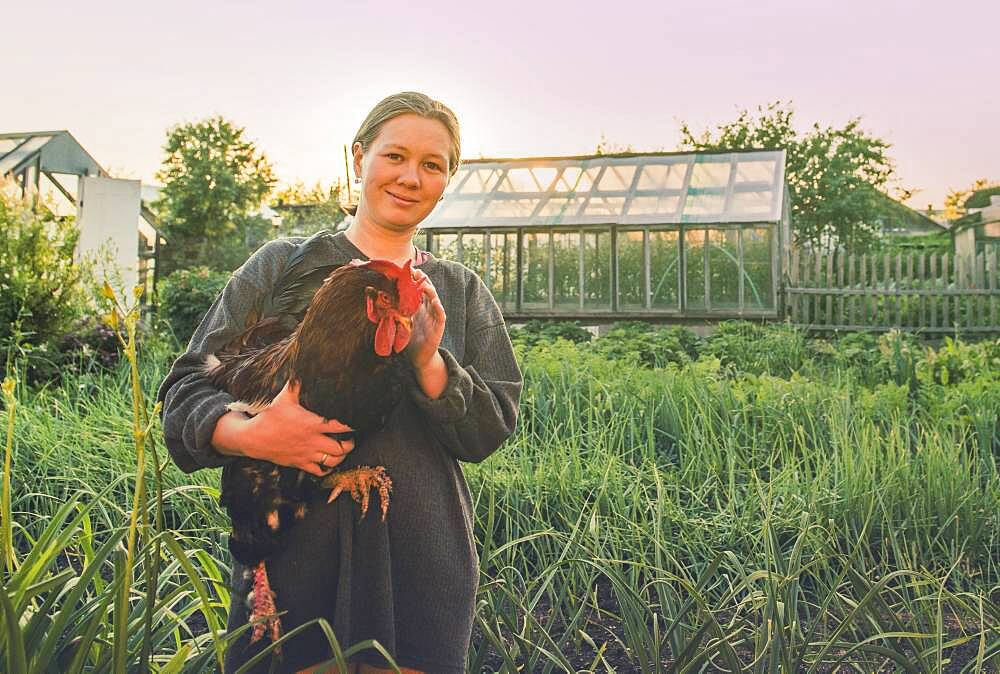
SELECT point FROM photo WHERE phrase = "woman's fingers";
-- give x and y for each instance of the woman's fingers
(312, 468)
(334, 426)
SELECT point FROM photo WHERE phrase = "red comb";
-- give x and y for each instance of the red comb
(410, 295)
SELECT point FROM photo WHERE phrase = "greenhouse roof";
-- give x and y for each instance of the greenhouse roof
(653, 188)
(55, 151)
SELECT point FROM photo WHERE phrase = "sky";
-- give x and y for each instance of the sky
(536, 78)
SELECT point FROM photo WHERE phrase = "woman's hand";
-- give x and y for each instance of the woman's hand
(284, 433)
(428, 325)
(428, 329)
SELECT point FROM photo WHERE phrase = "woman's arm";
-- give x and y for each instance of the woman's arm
(199, 430)
(476, 405)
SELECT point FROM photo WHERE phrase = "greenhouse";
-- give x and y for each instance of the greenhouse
(671, 235)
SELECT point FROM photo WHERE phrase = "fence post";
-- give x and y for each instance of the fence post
(946, 318)
(864, 290)
(829, 286)
(934, 287)
(818, 299)
(852, 299)
(993, 287)
(921, 298)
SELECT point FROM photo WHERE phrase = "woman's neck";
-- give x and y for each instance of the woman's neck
(380, 243)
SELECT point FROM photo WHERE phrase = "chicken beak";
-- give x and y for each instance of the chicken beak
(406, 322)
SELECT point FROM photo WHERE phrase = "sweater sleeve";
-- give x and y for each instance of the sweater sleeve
(478, 408)
(191, 404)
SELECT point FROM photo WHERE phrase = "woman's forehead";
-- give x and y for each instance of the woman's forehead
(416, 134)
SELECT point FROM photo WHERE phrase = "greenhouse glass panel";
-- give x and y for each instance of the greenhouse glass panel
(567, 270)
(544, 176)
(510, 208)
(710, 174)
(474, 252)
(576, 179)
(458, 210)
(617, 179)
(755, 203)
(631, 271)
(535, 276)
(611, 207)
(755, 171)
(503, 273)
(758, 285)
(694, 264)
(704, 204)
(479, 181)
(655, 205)
(724, 268)
(445, 246)
(562, 206)
(664, 269)
(597, 270)
(662, 176)
(520, 180)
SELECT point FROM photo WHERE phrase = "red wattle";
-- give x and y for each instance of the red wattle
(385, 335)
(402, 338)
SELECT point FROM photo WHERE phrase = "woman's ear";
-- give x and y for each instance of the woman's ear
(358, 156)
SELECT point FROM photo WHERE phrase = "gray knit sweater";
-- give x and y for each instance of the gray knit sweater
(410, 582)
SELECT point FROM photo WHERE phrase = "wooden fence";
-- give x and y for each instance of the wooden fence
(937, 293)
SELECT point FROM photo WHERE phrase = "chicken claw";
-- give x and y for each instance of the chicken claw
(359, 482)
(264, 610)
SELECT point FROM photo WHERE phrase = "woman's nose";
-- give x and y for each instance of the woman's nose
(409, 176)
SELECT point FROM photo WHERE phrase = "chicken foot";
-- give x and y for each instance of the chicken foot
(359, 482)
(264, 609)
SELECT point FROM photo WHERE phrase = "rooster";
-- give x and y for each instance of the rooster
(345, 355)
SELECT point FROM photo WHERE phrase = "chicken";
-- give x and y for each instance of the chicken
(345, 355)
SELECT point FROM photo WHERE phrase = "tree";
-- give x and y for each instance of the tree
(305, 211)
(213, 181)
(837, 178)
(955, 204)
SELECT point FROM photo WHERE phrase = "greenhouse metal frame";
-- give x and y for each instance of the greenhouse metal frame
(668, 235)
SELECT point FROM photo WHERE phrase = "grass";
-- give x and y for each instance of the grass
(750, 513)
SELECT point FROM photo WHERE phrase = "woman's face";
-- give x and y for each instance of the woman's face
(404, 172)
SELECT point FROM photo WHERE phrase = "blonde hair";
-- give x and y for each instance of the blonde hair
(409, 103)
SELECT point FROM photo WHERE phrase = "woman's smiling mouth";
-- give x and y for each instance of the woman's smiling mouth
(401, 200)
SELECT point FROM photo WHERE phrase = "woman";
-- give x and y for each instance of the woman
(410, 582)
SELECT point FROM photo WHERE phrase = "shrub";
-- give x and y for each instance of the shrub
(648, 345)
(536, 332)
(89, 342)
(186, 295)
(43, 290)
(776, 349)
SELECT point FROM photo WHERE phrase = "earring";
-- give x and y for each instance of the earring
(357, 181)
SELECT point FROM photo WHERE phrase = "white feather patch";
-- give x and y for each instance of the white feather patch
(211, 363)
(249, 408)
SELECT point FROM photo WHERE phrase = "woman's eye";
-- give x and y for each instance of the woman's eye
(395, 156)
(433, 165)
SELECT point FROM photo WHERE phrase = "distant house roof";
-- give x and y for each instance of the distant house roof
(628, 188)
(898, 218)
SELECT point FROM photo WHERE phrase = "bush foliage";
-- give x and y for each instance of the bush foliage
(186, 295)
(44, 291)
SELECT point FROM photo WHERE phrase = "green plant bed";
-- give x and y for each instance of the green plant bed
(766, 502)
